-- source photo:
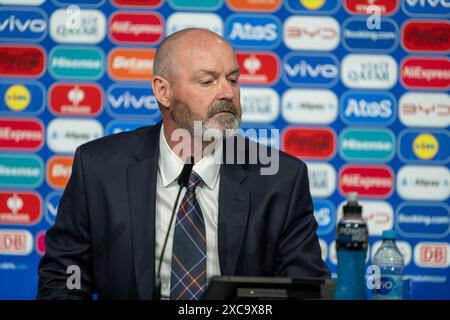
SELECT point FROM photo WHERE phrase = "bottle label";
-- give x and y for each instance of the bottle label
(352, 236)
(391, 287)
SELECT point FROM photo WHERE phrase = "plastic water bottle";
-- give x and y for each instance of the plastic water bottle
(351, 249)
(391, 263)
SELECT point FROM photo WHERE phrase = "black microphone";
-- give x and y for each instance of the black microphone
(183, 180)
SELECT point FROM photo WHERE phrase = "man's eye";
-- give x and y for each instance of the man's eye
(233, 81)
(206, 82)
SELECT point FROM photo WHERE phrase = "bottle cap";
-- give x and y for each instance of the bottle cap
(352, 206)
(389, 234)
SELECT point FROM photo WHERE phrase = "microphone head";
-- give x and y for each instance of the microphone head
(183, 178)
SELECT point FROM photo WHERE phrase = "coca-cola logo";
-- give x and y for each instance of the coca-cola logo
(23, 61)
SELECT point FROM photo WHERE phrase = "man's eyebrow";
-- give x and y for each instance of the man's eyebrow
(214, 73)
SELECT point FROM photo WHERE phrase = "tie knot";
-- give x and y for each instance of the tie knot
(194, 180)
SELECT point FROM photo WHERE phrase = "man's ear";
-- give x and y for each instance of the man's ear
(161, 90)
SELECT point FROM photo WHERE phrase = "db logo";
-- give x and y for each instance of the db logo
(40, 242)
(20, 208)
(21, 134)
(139, 28)
(431, 254)
(426, 73)
(384, 7)
(131, 64)
(426, 36)
(59, 169)
(310, 143)
(15, 242)
(258, 68)
(367, 181)
(75, 99)
(21, 61)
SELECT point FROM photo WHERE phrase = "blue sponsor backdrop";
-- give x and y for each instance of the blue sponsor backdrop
(76, 50)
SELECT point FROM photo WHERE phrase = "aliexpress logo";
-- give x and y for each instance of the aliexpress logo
(59, 169)
(309, 143)
(21, 61)
(258, 68)
(131, 64)
(254, 5)
(367, 181)
(18, 134)
(426, 73)
(134, 27)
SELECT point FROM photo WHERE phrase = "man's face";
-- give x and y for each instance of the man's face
(205, 86)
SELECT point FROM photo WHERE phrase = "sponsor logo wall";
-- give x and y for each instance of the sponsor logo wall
(363, 99)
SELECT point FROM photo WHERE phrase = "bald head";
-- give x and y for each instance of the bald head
(170, 49)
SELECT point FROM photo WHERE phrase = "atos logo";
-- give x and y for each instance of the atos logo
(75, 99)
(133, 101)
(432, 254)
(21, 61)
(364, 7)
(142, 4)
(325, 215)
(26, 98)
(322, 179)
(423, 183)
(51, 206)
(183, 20)
(367, 181)
(131, 64)
(136, 28)
(260, 105)
(427, 7)
(369, 71)
(20, 208)
(426, 73)
(24, 135)
(423, 220)
(310, 70)
(313, 7)
(367, 145)
(416, 145)
(309, 143)
(368, 107)
(426, 36)
(59, 169)
(255, 31)
(357, 36)
(116, 126)
(21, 171)
(23, 24)
(311, 33)
(15, 242)
(261, 68)
(425, 109)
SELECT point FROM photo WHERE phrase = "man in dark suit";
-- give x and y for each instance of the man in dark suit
(231, 219)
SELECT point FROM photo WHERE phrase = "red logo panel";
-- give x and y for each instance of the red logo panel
(18, 134)
(75, 99)
(386, 7)
(367, 181)
(426, 36)
(21, 61)
(431, 73)
(258, 67)
(138, 3)
(145, 28)
(20, 208)
(309, 143)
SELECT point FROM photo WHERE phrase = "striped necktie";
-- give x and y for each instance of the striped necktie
(188, 276)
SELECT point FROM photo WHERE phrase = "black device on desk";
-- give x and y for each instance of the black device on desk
(264, 288)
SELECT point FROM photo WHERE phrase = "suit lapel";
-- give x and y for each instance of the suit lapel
(141, 184)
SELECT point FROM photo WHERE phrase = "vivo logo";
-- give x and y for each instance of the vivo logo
(427, 7)
(23, 24)
(313, 70)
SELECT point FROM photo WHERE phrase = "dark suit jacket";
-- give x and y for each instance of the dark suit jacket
(106, 221)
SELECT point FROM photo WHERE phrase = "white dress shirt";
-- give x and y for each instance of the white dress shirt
(169, 168)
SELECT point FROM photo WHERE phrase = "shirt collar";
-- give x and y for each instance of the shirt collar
(170, 165)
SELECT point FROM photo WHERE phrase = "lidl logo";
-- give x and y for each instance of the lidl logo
(426, 73)
(367, 181)
(20, 208)
(136, 28)
(325, 215)
(419, 220)
(132, 101)
(117, 126)
(422, 109)
(59, 169)
(368, 107)
(415, 145)
(260, 68)
(17, 97)
(309, 143)
(356, 35)
(131, 64)
(22, 24)
(367, 144)
(21, 171)
(21, 134)
(310, 70)
(366, 7)
(51, 206)
(254, 5)
(142, 4)
(322, 179)
(313, 6)
(254, 31)
(423, 183)
(76, 63)
(21, 61)
(26, 98)
(426, 36)
(433, 8)
(195, 4)
(77, 99)
(183, 20)
(259, 105)
(14, 242)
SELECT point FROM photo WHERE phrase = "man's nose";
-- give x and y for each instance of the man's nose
(227, 90)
